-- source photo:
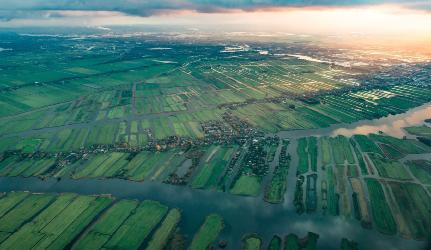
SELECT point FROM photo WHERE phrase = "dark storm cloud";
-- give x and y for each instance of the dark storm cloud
(7, 15)
(38, 8)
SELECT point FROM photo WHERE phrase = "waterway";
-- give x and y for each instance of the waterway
(242, 214)
(249, 214)
(391, 125)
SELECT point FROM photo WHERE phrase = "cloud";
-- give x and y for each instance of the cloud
(9, 8)
(15, 13)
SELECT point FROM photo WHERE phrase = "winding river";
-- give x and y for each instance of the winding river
(392, 125)
(249, 214)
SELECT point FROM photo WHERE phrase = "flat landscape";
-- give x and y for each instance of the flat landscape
(159, 142)
(96, 222)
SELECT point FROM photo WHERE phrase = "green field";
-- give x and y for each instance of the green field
(332, 196)
(366, 144)
(381, 213)
(389, 168)
(396, 148)
(29, 234)
(57, 224)
(421, 169)
(131, 222)
(137, 227)
(213, 165)
(44, 221)
(341, 150)
(247, 185)
(164, 94)
(274, 191)
(326, 151)
(303, 156)
(161, 236)
(419, 130)
(23, 211)
(360, 158)
(353, 166)
(414, 204)
(307, 153)
(10, 200)
(209, 114)
(208, 232)
(251, 242)
(102, 231)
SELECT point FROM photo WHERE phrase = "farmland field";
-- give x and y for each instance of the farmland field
(380, 210)
(136, 228)
(101, 232)
(57, 224)
(246, 185)
(390, 169)
(276, 189)
(208, 232)
(415, 210)
(213, 166)
(252, 242)
(100, 222)
(162, 234)
(421, 169)
(359, 165)
(183, 140)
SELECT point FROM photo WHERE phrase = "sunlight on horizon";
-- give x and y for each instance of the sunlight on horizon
(367, 19)
(389, 25)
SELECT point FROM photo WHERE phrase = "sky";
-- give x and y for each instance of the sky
(392, 17)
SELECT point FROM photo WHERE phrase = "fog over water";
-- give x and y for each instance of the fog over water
(392, 125)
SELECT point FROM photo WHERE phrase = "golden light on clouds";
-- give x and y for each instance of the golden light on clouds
(377, 20)
(387, 19)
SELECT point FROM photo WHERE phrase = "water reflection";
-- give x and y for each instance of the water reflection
(249, 214)
(242, 214)
(392, 125)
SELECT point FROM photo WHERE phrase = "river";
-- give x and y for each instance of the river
(242, 214)
(392, 125)
(248, 214)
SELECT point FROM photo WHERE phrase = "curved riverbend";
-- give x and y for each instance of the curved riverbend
(392, 125)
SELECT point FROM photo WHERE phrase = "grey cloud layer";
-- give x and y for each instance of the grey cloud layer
(9, 8)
